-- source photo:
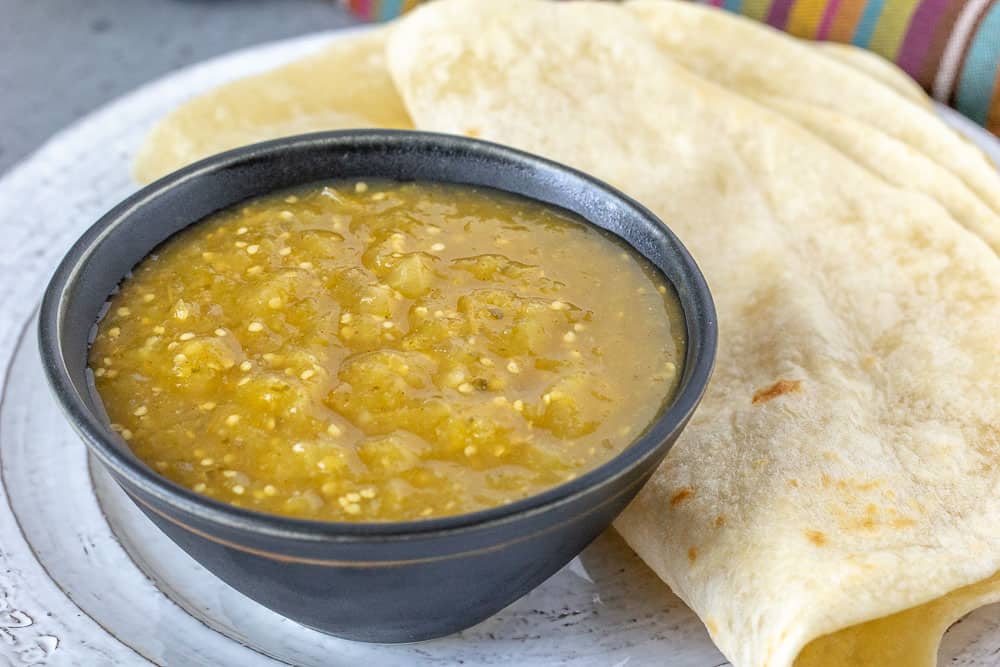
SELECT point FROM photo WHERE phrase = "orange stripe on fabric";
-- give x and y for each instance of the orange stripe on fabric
(891, 28)
(805, 17)
(846, 20)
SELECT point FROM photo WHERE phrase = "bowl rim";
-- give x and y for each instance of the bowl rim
(98, 436)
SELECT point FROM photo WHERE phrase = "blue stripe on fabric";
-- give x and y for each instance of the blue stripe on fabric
(391, 9)
(979, 71)
(866, 26)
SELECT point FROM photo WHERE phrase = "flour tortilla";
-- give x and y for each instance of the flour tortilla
(745, 55)
(876, 67)
(843, 467)
(894, 161)
(344, 86)
(884, 155)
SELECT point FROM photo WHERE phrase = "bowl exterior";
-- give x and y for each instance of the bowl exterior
(398, 591)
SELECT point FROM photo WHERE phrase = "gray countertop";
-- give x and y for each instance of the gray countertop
(60, 59)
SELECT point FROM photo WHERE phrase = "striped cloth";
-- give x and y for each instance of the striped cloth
(380, 10)
(951, 47)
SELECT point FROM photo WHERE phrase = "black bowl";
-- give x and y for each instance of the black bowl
(384, 582)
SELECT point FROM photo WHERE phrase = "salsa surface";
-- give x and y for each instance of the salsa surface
(380, 351)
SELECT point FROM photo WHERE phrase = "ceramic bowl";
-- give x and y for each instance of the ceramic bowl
(381, 582)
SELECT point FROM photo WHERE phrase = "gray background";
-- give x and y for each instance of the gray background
(60, 59)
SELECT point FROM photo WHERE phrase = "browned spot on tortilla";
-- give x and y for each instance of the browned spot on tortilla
(869, 522)
(775, 390)
(681, 496)
(720, 521)
(794, 483)
(859, 561)
(850, 485)
(816, 537)
(851, 521)
(711, 625)
(693, 554)
(472, 132)
(873, 518)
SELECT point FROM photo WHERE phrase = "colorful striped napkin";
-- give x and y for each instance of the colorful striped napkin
(951, 47)
(380, 10)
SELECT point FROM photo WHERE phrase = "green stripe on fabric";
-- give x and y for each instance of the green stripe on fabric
(892, 26)
(756, 9)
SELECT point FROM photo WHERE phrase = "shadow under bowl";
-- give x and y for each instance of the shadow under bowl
(381, 582)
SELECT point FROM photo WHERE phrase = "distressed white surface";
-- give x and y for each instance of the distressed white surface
(71, 594)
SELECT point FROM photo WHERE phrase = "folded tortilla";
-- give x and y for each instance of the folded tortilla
(343, 86)
(834, 500)
(758, 60)
(876, 67)
(898, 162)
(894, 161)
